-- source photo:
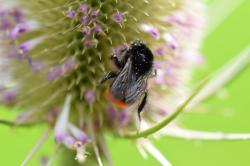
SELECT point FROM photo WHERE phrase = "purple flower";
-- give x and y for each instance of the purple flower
(5, 24)
(85, 20)
(123, 117)
(118, 17)
(25, 47)
(78, 134)
(9, 97)
(36, 66)
(69, 142)
(97, 28)
(172, 20)
(54, 73)
(61, 70)
(83, 8)
(70, 13)
(162, 111)
(111, 112)
(18, 15)
(62, 121)
(87, 43)
(159, 51)
(69, 64)
(151, 30)
(89, 96)
(86, 31)
(18, 30)
(2, 13)
(94, 14)
(185, 19)
(154, 32)
(171, 40)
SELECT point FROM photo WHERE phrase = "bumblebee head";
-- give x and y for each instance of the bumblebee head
(141, 57)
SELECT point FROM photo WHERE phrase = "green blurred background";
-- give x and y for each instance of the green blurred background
(228, 111)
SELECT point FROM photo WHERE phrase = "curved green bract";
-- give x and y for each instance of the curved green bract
(169, 118)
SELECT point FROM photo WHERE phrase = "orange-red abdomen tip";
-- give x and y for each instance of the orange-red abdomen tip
(114, 101)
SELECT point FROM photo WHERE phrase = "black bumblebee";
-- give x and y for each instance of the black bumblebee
(130, 81)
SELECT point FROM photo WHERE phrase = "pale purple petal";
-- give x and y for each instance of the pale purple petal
(158, 64)
(70, 13)
(88, 43)
(4, 24)
(9, 97)
(111, 112)
(118, 17)
(25, 47)
(18, 30)
(151, 30)
(97, 28)
(171, 40)
(62, 121)
(89, 96)
(83, 8)
(199, 59)
(123, 117)
(2, 12)
(172, 19)
(36, 66)
(18, 15)
(94, 14)
(69, 142)
(54, 73)
(159, 51)
(85, 20)
(78, 133)
(154, 32)
(69, 64)
(86, 31)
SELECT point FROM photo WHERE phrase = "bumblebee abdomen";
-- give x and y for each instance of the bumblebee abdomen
(117, 102)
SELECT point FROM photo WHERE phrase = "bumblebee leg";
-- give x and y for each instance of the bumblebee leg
(154, 72)
(107, 76)
(142, 105)
(120, 63)
(117, 62)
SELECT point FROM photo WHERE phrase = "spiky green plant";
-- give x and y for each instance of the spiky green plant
(60, 49)
(55, 52)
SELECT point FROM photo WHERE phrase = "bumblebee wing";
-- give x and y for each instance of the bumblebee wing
(126, 87)
(135, 90)
(123, 82)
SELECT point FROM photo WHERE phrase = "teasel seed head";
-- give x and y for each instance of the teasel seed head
(56, 51)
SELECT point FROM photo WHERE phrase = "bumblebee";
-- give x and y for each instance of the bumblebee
(129, 85)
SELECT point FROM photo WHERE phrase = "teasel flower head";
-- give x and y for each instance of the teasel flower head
(53, 54)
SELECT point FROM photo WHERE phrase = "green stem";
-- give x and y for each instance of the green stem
(14, 124)
(168, 119)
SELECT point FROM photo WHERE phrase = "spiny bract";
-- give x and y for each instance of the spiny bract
(53, 54)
